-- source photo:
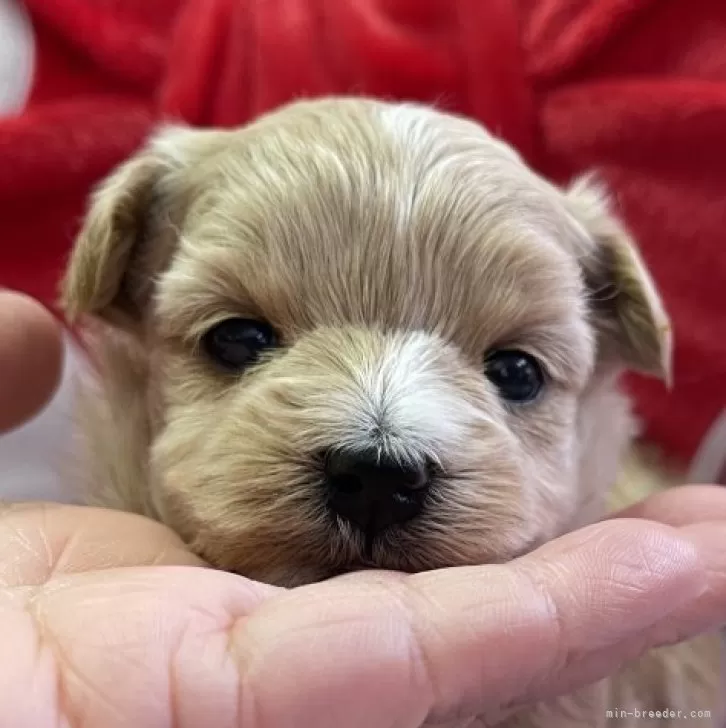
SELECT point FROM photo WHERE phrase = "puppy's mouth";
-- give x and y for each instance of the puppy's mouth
(368, 545)
(403, 550)
(390, 547)
(377, 540)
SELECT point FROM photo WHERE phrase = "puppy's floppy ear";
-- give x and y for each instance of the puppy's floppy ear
(631, 321)
(137, 205)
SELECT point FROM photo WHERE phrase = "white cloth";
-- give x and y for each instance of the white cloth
(17, 57)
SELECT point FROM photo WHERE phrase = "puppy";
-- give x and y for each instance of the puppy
(355, 334)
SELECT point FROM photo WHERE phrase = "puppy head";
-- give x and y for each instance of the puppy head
(373, 336)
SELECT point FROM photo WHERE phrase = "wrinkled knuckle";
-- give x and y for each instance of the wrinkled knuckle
(417, 612)
(546, 604)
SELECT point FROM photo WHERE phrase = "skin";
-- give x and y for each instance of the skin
(111, 622)
(30, 358)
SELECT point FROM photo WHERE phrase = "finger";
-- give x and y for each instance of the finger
(31, 354)
(459, 642)
(709, 610)
(39, 541)
(704, 614)
(682, 505)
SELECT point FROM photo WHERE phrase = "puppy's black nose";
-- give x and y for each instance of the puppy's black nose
(374, 492)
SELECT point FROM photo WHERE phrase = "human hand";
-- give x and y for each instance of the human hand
(111, 622)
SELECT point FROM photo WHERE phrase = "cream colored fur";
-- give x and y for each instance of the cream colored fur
(392, 247)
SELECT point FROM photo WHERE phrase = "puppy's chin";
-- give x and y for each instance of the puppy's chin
(387, 560)
(290, 576)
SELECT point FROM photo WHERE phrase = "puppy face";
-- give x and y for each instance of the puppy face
(374, 337)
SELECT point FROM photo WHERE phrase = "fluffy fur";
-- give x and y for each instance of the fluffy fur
(392, 247)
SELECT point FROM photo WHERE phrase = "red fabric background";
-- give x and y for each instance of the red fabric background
(633, 88)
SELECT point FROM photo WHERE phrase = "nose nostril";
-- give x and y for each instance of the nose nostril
(404, 496)
(415, 479)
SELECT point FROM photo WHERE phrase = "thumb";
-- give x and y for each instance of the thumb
(30, 359)
(442, 645)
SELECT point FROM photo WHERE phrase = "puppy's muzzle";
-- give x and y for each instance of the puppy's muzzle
(374, 492)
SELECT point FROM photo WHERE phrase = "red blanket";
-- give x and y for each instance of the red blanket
(633, 88)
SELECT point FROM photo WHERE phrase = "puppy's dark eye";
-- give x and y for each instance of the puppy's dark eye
(517, 375)
(237, 343)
